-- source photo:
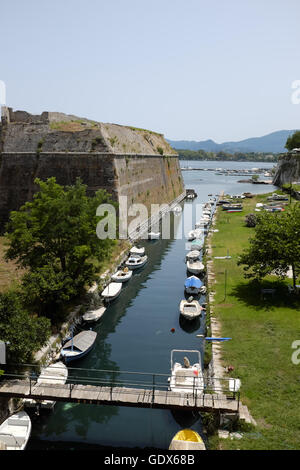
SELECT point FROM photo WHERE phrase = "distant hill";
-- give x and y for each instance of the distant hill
(273, 143)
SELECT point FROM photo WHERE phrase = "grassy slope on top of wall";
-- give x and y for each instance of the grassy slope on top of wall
(10, 274)
(262, 332)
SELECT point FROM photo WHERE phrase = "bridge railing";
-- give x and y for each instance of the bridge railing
(224, 387)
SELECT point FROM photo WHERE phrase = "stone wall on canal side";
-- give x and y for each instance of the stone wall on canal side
(123, 160)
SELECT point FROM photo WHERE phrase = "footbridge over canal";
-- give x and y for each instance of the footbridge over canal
(117, 388)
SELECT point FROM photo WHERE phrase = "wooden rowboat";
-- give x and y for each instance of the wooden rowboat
(78, 346)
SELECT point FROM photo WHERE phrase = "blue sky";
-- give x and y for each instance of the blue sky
(190, 69)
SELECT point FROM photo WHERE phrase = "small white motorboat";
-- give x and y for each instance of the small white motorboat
(56, 373)
(153, 235)
(191, 235)
(112, 290)
(135, 262)
(186, 378)
(194, 266)
(194, 254)
(196, 233)
(206, 212)
(190, 308)
(78, 346)
(197, 244)
(202, 223)
(135, 250)
(122, 275)
(94, 315)
(15, 431)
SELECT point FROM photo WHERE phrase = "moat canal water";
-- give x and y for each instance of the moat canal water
(135, 335)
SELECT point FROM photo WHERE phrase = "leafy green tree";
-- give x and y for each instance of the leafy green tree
(54, 238)
(25, 333)
(293, 141)
(275, 247)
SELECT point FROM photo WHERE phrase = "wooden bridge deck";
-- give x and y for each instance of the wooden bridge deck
(118, 396)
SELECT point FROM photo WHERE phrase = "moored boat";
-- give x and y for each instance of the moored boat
(78, 346)
(186, 378)
(190, 308)
(193, 285)
(56, 373)
(202, 223)
(123, 275)
(187, 439)
(232, 207)
(136, 250)
(195, 266)
(197, 244)
(94, 315)
(194, 254)
(135, 262)
(153, 235)
(15, 431)
(112, 290)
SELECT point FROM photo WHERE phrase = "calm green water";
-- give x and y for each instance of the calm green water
(135, 335)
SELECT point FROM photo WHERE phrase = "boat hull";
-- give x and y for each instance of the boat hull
(195, 268)
(90, 317)
(74, 357)
(112, 293)
(121, 278)
(190, 310)
(137, 265)
(187, 439)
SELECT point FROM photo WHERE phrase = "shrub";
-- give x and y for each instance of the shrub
(250, 220)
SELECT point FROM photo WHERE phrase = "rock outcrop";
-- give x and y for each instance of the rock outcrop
(288, 169)
(123, 160)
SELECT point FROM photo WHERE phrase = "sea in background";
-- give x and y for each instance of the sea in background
(135, 335)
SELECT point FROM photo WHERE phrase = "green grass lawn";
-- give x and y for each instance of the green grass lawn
(262, 332)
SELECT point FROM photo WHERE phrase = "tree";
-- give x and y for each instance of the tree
(54, 238)
(293, 141)
(25, 333)
(275, 247)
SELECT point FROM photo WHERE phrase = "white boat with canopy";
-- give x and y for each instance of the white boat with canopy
(186, 378)
(135, 262)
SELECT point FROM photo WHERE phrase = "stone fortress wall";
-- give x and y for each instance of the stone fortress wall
(123, 160)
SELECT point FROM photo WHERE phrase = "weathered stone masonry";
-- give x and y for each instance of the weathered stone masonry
(123, 160)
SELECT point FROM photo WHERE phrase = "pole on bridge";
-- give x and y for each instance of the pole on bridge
(153, 387)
